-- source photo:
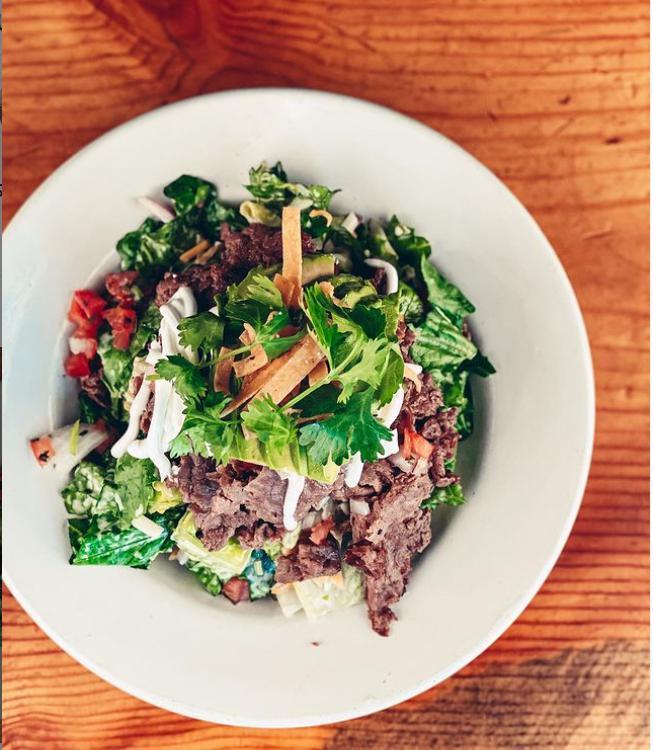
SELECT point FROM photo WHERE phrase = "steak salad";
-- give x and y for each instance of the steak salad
(271, 394)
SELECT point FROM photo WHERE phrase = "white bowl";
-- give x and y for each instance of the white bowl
(155, 634)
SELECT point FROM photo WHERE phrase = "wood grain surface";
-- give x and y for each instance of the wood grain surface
(553, 96)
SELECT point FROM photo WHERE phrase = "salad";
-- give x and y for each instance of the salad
(271, 395)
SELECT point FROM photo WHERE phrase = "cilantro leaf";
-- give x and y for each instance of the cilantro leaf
(204, 431)
(369, 367)
(270, 423)
(203, 333)
(328, 336)
(187, 379)
(352, 429)
(258, 287)
(393, 376)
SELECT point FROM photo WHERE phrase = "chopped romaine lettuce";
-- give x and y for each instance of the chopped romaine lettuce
(319, 596)
(226, 563)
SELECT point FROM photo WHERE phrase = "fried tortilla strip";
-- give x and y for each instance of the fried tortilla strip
(306, 355)
(291, 238)
(222, 372)
(257, 359)
(319, 372)
(253, 383)
(194, 251)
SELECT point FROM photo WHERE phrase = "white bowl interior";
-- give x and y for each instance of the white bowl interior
(156, 634)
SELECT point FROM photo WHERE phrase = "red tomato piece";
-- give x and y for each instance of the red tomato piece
(123, 323)
(88, 328)
(415, 445)
(236, 590)
(42, 449)
(77, 366)
(321, 530)
(119, 285)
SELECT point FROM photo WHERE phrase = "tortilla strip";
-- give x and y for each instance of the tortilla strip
(305, 356)
(222, 372)
(253, 383)
(257, 359)
(291, 239)
(194, 251)
(248, 335)
(319, 372)
(204, 257)
(289, 292)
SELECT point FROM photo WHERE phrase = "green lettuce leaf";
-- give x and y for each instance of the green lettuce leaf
(129, 547)
(226, 563)
(187, 192)
(271, 186)
(209, 580)
(440, 344)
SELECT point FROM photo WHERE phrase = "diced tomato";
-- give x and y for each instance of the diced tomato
(80, 344)
(236, 590)
(120, 286)
(86, 304)
(77, 366)
(321, 530)
(42, 449)
(88, 328)
(123, 323)
(421, 446)
(406, 451)
(415, 445)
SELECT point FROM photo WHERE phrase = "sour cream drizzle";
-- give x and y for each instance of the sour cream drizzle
(294, 488)
(391, 276)
(168, 411)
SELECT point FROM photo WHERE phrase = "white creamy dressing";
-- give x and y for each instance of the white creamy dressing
(294, 488)
(168, 411)
(391, 275)
(156, 209)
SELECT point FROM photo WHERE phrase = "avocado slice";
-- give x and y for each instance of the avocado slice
(317, 266)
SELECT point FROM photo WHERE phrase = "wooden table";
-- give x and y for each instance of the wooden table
(550, 94)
